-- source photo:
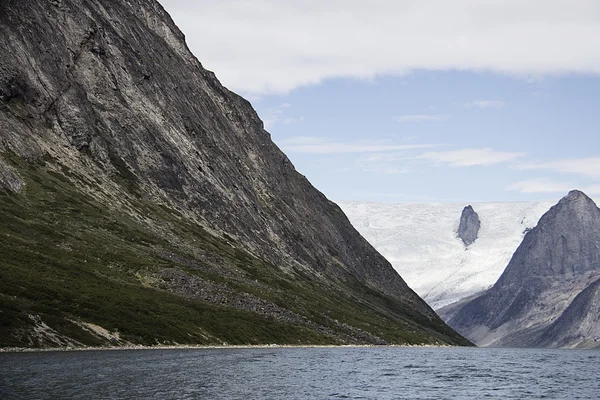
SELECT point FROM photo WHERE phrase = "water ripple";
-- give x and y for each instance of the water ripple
(311, 373)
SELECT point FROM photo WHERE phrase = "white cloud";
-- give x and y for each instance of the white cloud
(292, 120)
(384, 163)
(380, 194)
(545, 185)
(387, 170)
(273, 46)
(314, 145)
(591, 190)
(483, 104)
(470, 157)
(589, 166)
(421, 117)
(275, 116)
(541, 185)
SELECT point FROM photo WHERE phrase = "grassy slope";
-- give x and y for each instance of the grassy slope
(66, 257)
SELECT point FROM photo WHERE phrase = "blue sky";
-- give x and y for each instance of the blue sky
(416, 101)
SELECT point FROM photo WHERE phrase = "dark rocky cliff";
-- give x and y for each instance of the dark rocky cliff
(112, 134)
(556, 261)
(468, 227)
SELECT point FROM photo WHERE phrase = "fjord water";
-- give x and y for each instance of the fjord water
(303, 373)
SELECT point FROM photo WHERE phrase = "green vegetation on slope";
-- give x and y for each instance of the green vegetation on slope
(67, 259)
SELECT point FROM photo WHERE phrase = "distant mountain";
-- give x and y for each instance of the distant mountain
(548, 295)
(142, 202)
(468, 227)
(420, 240)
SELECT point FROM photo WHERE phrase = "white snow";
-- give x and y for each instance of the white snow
(420, 242)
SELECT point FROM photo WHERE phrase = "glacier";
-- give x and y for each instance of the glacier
(420, 241)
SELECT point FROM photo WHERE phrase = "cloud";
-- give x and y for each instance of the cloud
(387, 170)
(470, 157)
(421, 117)
(586, 167)
(589, 166)
(483, 104)
(314, 145)
(275, 116)
(545, 185)
(292, 120)
(384, 163)
(273, 46)
(591, 190)
(380, 194)
(541, 185)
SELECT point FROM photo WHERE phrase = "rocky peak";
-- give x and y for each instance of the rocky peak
(577, 202)
(576, 194)
(469, 225)
(555, 261)
(563, 245)
(575, 218)
(9, 180)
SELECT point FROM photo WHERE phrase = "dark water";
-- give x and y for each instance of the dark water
(311, 373)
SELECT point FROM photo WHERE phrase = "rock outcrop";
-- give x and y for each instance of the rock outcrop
(110, 121)
(548, 288)
(9, 180)
(468, 227)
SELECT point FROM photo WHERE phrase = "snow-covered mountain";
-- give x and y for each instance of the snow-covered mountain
(421, 243)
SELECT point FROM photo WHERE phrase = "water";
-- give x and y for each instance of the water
(303, 373)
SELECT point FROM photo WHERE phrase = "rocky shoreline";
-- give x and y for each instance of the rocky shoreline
(209, 347)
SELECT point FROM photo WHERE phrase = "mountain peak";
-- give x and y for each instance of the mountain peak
(576, 195)
(555, 261)
(576, 205)
(469, 225)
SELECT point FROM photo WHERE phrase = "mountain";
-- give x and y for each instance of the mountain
(142, 202)
(420, 240)
(468, 227)
(548, 294)
(579, 324)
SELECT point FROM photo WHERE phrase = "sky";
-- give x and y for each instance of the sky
(416, 100)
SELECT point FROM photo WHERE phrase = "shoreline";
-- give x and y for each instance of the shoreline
(209, 347)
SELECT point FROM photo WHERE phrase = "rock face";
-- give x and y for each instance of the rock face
(9, 180)
(546, 295)
(579, 324)
(103, 100)
(469, 225)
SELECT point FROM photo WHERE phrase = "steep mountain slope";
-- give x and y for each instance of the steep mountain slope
(420, 240)
(579, 324)
(143, 202)
(547, 290)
